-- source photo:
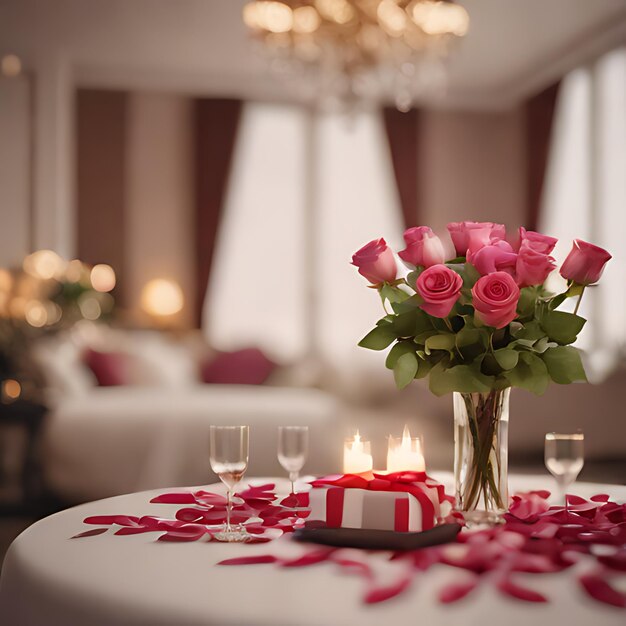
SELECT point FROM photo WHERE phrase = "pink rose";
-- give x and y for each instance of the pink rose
(474, 235)
(537, 241)
(496, 257)
(585, 263)
(532, 267)
(423, 247)
(376, 262)
(440, 288)
(495, 299)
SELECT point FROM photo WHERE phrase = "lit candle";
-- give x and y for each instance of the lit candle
(405, 454)
(357, 457)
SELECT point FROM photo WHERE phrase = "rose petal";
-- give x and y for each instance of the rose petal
(509, 588)
(174, 498)
(381, 594)
(600, 589)
(250, 560)
(457, 591)
(90, 533)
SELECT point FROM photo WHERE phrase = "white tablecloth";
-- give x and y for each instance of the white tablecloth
(106, 580)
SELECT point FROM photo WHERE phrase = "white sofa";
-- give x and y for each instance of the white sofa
(102, 441)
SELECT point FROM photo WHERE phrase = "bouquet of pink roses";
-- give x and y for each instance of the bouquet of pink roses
(483, 320)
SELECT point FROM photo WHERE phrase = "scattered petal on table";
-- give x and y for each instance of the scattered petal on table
(174, 498)
(90, 533)
(600, 589)
(121, 520)
(380, 594)
(509, 588)
(317, 555)
(457, 591)
(251, 560)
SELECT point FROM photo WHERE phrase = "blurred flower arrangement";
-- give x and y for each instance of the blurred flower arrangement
(479, 324)
(45, 295)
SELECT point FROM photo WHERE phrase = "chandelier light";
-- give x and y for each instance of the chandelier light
(350, 51)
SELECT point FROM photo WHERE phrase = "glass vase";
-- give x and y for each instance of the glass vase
(481, 423)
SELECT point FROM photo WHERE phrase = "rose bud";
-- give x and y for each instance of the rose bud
(440, 288)
(474, 235)
(537, 241)
(423, 247)
(532, 267)
(585, 263)
(496, 257)
(495, 299)
(376, 262)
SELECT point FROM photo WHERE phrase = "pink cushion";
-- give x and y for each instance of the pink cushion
(110, 368)
(241, 367)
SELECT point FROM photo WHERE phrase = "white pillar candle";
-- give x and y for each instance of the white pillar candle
(357, 457)
(405, 454)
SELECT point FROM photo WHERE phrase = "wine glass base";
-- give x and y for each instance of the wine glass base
(236, 535)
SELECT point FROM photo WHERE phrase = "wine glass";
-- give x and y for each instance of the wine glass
(229, 460)
(564, 458)
(293, 444)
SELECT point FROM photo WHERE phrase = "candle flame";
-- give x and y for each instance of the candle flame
(406, 437)
(356, 444)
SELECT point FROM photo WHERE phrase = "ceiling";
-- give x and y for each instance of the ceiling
(514, 47)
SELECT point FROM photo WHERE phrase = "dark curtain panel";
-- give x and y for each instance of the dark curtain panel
(216, 122)
(101, 181)
(402, 133)
(539, 111)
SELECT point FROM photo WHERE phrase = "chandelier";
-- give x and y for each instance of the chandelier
(353, 51)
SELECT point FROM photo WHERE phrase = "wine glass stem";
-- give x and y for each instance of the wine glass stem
(293, 476)
(229, 504)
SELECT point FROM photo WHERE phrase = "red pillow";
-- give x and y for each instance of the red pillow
(241, 367)
(110, 368)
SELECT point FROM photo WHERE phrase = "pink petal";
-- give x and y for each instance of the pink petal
(122, 520)
(381, 594)
(600, 589)
(455, 592)
(133, 530)
(90, 533)
(174, 498)
(174, 535)
(250, 560)
(509, 588)
(310, 558)
(601, 497)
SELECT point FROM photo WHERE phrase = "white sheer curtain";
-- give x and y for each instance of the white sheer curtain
(585, 196)
(261, 277)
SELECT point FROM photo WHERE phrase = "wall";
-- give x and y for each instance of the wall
(15, 169)
(471, 167)
(159, 235)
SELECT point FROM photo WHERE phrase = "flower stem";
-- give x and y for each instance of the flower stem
(580, 297)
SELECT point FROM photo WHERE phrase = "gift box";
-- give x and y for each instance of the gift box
(404, 502)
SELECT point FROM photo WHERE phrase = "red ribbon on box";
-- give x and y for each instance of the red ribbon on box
(406, 482)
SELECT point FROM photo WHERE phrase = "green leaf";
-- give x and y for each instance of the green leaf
(526, 302)
(412, 277)
(401, 348)
(463, 378)
(421, 338)
(423, 367)
(564, 364)
(405, 369)
(531, 330)
(393, 294)
(471, 342)
(378, 339)
(410, 304)
(543, 344)
(562, 327)
(515, 327)
(444, 341)
(507, 359)
(530, 373)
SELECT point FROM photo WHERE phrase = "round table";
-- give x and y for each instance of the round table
(48, 578)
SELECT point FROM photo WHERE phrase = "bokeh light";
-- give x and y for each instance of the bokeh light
(162, 297)
(102, 277)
